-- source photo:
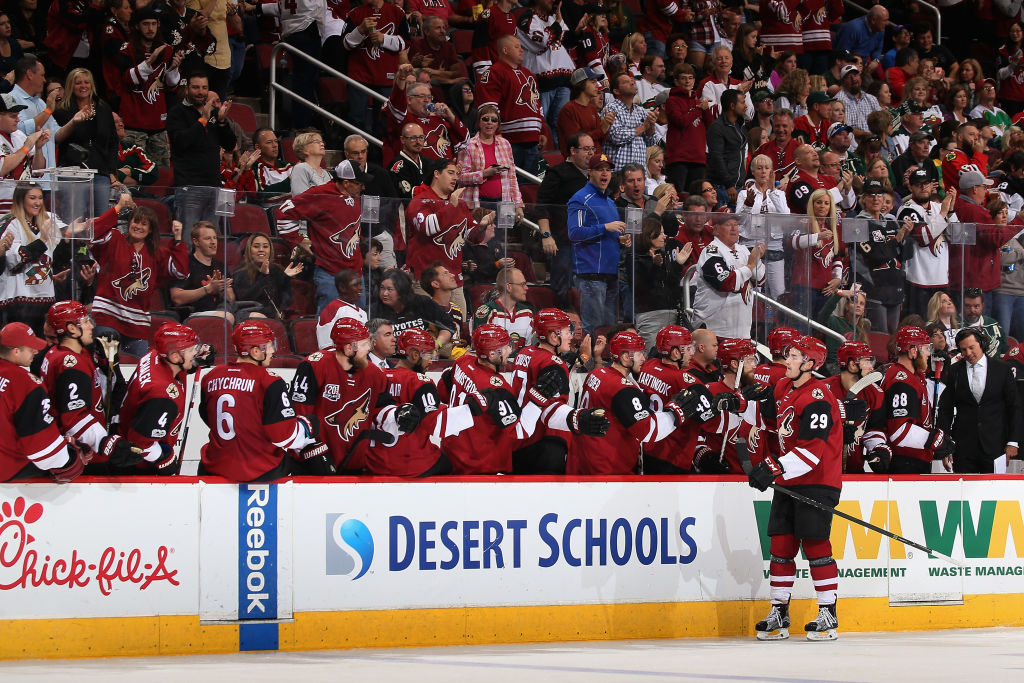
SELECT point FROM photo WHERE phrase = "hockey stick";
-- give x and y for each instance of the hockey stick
(726, 437)
(188, 415)
(748, 466)
(863, 382)
(110, 353)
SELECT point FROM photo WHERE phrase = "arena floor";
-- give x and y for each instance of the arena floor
(980, 654)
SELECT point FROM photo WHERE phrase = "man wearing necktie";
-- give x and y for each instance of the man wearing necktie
(979, 408)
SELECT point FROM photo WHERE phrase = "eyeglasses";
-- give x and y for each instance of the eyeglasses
(490, 119)
(429, 98)
(414, 137)
(707, 189)
(587, 149)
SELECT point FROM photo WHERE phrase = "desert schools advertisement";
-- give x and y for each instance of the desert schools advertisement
(98, 550)
(259, 553)
(444, 545)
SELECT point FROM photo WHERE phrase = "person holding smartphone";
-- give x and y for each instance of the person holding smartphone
(486, 165)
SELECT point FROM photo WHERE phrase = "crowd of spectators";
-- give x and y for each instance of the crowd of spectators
(824, 158)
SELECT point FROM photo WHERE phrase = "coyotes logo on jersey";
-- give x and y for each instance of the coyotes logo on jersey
(347, 238)
(439, 135)
(374, 51)
(452, 238)
(133, 283)
(348, 419)
(529, 96)
(823, 253)
(785, 429)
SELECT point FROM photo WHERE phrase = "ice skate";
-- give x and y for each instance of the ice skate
(776, 625)
(825, 625)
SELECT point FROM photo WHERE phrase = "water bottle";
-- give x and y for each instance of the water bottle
(431, 107)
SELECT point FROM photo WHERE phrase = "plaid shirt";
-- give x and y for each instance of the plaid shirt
(857, 110)
(702, 29)
(623, 145)
(472, 163)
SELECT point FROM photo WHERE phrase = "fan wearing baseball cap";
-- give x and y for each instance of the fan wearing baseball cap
(915, 158)
(32, 443)
(981, 265)
(24, 146)
(883, 253)
(998, 120)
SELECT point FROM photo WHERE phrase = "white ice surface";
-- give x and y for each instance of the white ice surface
(959, 655)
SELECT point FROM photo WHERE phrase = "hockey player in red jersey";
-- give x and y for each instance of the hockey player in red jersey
(32, 443)
(70, 378)
(252, 421)
(347, 393)
(417, 454)
(867, 444)
(546, 451)
(735, 356)
(634, 425)
(915, 442)
(154, 403)
(774, 370)
(811, 441)
(661, 379)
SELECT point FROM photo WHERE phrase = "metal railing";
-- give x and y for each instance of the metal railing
(276, 87)
(929, 6)
(688, 308)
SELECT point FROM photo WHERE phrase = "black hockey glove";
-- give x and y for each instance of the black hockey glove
(590, 422)
(757, 392)
(696, 403)
(169, 463)
(878, 458)
(407, 417)
(501, 410)
(763, 475)
(119, 452)
(728, 402)
(552, 382)
(855, 410)
(316, 460)
(941, 444)
(706, 461)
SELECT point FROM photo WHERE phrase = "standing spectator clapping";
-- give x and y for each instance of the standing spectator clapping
(87, 136)
(689, 115)
(632, 129)
(760, 197)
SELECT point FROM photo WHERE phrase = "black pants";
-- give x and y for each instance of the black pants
(683, 173)
(969, 458)
(304, 73)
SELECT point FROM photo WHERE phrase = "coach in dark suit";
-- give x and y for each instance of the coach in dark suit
(982, 393)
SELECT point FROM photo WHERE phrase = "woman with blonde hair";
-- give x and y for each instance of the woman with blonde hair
(634, 47)
(760, 197)
(87, 136)
(28, 236)
(309, 148)
(819, 254)
(655, 164)
(942, 311)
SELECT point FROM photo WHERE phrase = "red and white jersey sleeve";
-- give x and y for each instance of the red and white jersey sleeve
(810, 433)
(778, 25)
(30, 430)
(153, 407)
(76, 395)
(376, 64)
(438, 231)
(333, 311)
(907, 410)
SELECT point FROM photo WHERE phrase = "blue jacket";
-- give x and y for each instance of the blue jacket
(594, 249)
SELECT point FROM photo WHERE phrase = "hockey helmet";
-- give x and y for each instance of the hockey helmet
(63, 313)
(735, 350)
(624, 342)
(853, 350)
(171, 337)
(550, 320)
(348, 331)
(488, 337)
(813, 349)
(249, 334)
(414, 338)
(672, 336)
(779, 339)
(909, 336)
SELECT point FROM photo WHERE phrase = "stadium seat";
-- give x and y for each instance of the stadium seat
(303, 299)
(164, 182)
(553, 158)
(248, 219)
(231, 254)
(212, 330)
(542, 297)
(524, 264)
(244, 116)
(879, 342)
(476, 297)
(163, 214)
(288, 150)
(304, 336)
(529, 192)
(333, 90)
(284, 345)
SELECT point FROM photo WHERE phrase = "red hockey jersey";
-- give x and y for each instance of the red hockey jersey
(908, 412)
(348, 405)
(30, 432)
(376, 64)
(76, 395)
(252, 421)
(955, 163)
(143, 102)
(514, 92)
(153, 408)
(442, 137)
(437, 230)
(816, 265)
(128, 279)
(332, 224)
(778, 25)
(661, 383)
(810, 433)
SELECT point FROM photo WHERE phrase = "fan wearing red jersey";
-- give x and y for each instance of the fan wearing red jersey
(542, 365)
(810, 438)
(662, 378)
(32, 443)
(154, 403)
(866, 447)
(915, 442)
(634, 424)
(70, 378)
(347, 394)
(252, 421)
(417, 453)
